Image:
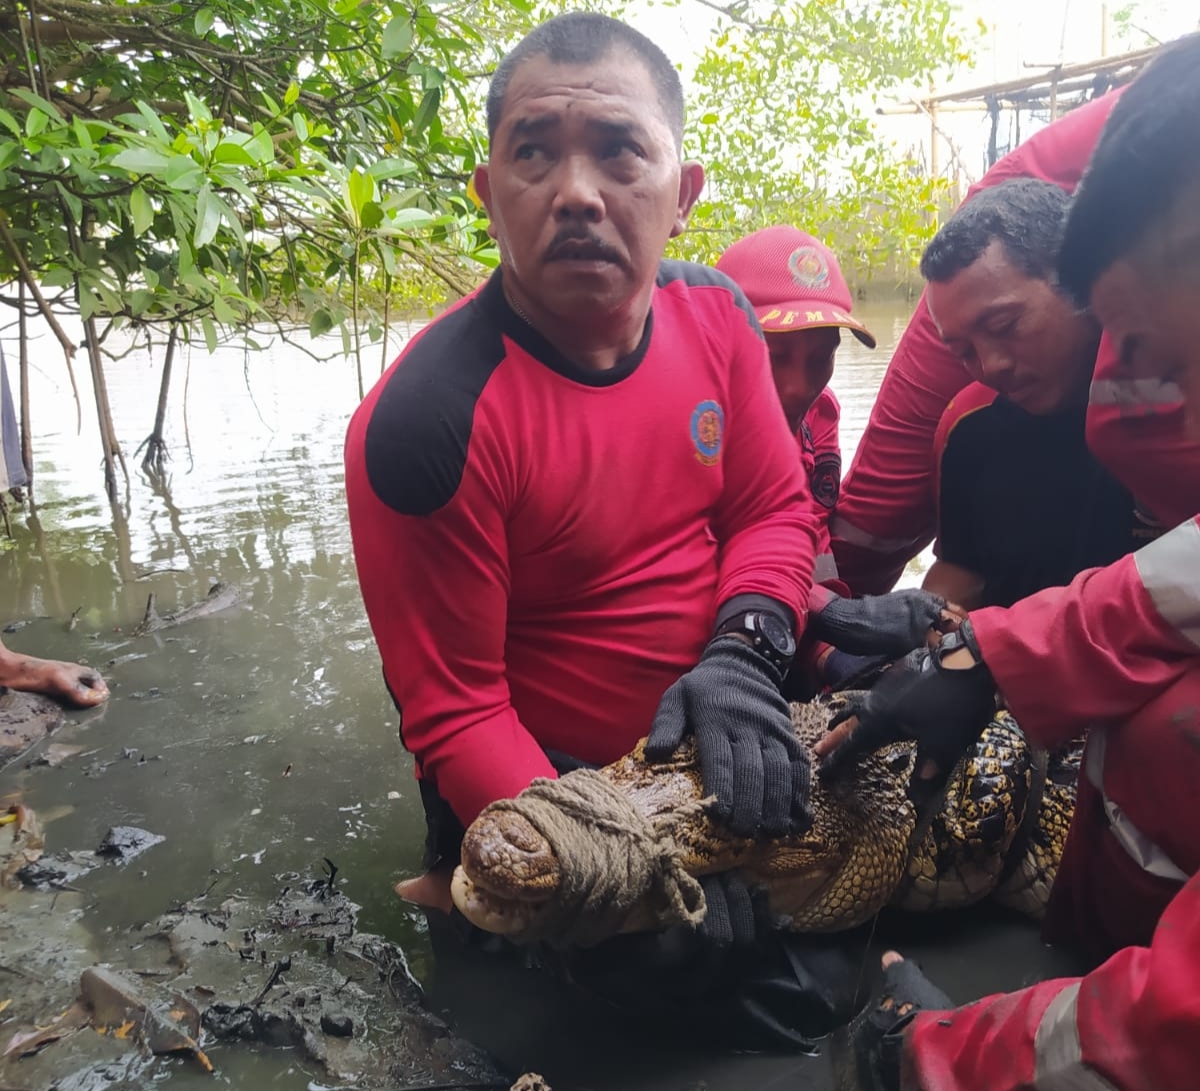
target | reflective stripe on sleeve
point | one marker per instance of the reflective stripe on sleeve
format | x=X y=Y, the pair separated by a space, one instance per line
x=1144 y=852
x=848 y=532
x=1058 y=1058
x=825 y=568
x=1134 y=392
x=1170 y=571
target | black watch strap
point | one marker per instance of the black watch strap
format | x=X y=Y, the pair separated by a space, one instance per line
x=767 y=633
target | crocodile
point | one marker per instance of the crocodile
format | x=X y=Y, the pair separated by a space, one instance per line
x=997 y=830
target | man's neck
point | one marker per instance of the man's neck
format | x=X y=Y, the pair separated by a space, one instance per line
x=598 y=343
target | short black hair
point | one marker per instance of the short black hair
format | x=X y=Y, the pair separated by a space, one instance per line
x=1148 y=153
x=1025 y=215
x=583 y=37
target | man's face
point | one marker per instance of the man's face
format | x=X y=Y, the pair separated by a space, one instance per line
x=584 y=186
x=1016 y=333
x=802 y=365
x=1149 y=302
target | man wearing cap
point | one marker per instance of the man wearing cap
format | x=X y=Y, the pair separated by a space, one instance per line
x=802 y=302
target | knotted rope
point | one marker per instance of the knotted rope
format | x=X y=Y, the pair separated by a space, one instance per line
x=610 y=856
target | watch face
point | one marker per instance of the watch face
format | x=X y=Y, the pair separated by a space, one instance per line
x=776 y=633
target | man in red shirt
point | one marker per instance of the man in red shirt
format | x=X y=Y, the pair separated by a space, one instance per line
x=1117 y=651
x=1022 y=503
x=575 y=502
x=797 y=290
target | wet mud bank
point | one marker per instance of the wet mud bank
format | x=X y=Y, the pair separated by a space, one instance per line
x=214 y=975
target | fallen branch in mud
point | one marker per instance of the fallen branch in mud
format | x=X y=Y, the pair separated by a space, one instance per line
x=220 y=597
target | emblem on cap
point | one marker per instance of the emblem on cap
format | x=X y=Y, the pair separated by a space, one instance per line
x=809 y=268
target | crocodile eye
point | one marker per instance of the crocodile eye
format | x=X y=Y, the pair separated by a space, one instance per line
x=898 y=763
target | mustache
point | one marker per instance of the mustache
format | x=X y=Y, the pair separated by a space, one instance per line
x=573 y=242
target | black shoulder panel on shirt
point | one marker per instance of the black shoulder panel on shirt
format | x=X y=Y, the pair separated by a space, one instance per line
x=418 y=435
x=705 y=276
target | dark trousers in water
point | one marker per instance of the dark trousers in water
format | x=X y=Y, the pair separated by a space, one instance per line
x=782 y=993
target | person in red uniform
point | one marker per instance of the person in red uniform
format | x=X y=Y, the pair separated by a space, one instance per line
x=1128 y=888
x=576 y=509
x=887 y=509
x=796 y=287
x=1022 y=503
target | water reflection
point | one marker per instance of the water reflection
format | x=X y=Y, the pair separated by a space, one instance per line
x=261 y=740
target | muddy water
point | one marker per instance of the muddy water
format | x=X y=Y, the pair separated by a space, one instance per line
x=261 y=741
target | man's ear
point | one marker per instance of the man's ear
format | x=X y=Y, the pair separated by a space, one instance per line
x=483 y=187
x=691 y=182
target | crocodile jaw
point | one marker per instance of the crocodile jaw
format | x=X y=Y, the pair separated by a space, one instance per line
x=492 y=912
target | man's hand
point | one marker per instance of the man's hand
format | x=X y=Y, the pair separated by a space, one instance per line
x=877 y=1035
x=737 y=914
x=891 y=624
x=750 y=758
x=942 y=699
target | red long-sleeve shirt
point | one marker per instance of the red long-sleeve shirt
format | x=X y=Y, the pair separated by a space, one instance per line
x=1133 y=1024
x=542 y=548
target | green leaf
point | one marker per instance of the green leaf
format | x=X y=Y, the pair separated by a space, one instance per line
x=361 y=189
x=410 y=217
x=371 y=215
x=140 y=161
x=260 y=147
x=183 y=173
x=73 y=203
x=397 y=36
x=36 y=101
x=320 y=323
x=35 y=122
x=229 y=152
x=291 y=94
x=10 y=152
x=141 y=211
x=210 y=333
x=428 y=109
x=10 y=123
x=205 y=18
x=709 y=118
x=301 y=126
x=208 y=217
x=197 y=108
x=153 y=122
x=392 y=168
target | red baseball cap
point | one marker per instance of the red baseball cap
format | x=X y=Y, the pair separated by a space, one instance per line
x=792 y=281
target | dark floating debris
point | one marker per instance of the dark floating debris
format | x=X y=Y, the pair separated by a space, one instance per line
x=126 y=842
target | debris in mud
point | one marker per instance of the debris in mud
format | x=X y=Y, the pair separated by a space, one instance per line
x=531 y=1081
x=126 y=842
x=122 y=1005
x=17 y=626
x=57 y=871
x=339 y=1024
x=26 y=845
x=55 y=754
x=25 y=1043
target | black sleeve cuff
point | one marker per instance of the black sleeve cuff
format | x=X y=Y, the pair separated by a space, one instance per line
x=753 y=604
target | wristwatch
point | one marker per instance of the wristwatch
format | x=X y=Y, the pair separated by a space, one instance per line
x=768 y=635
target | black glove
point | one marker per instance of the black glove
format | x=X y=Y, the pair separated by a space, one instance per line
x=889 y=624
x=736 y=915
x=943 y=710
x=841 y=670
x=877 y=1035
x=750 y=758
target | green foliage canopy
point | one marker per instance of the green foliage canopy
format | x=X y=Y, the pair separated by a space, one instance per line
x=208 y=168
